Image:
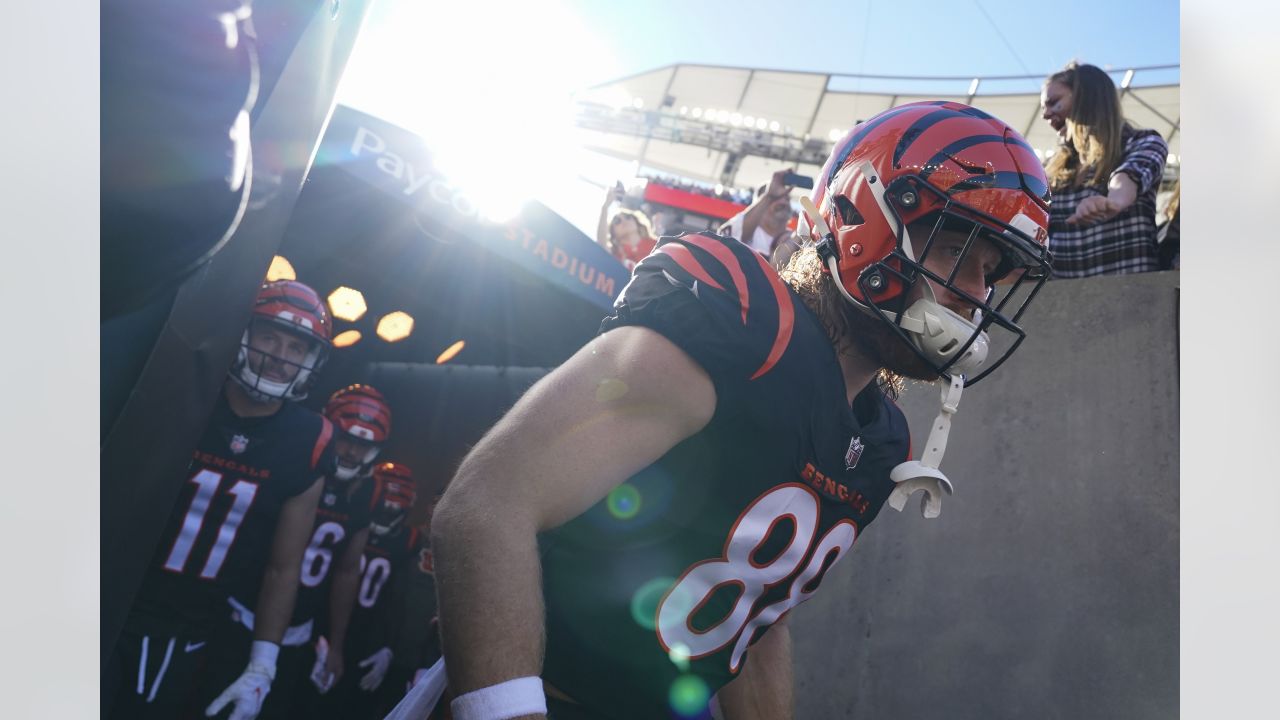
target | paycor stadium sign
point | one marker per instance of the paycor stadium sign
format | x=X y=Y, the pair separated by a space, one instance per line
x=399 y=163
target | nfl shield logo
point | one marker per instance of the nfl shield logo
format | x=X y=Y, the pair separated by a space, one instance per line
x=330 y=498
x=239 y=443
x=855 y=453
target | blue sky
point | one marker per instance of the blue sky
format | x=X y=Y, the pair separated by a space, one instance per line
x=490 y=84
x=924 y=37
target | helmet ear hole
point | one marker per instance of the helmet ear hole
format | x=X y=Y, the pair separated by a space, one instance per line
x=849 y=215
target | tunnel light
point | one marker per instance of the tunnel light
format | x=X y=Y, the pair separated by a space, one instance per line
x=347 y=304
x=395 y=326
x=834 y=135
x=280 y=270
x=451 y=352
x=346 y=338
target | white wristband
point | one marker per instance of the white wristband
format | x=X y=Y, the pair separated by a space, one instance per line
x=264 y=653
x=513 y=698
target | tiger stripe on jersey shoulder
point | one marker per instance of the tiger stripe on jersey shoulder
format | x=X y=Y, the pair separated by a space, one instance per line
x=738 y=264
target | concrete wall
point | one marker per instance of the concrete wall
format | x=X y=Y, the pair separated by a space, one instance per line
x=1048 y=588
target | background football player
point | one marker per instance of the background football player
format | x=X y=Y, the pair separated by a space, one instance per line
x=666 y=496
x=390 y=555
x=330 y=574
x=243 y=519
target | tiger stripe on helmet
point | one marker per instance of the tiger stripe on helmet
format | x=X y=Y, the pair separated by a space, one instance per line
x=360 y=406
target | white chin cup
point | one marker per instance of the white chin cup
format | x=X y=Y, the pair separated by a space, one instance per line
x=940 y=332
x=343 y=472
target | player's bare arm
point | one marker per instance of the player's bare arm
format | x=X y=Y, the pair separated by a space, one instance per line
x=342 y=598
x=763 y=690
x=613 y=408
x=280 y=579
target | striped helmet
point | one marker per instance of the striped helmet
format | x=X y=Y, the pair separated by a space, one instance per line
x=899 y=183
x=363 y=419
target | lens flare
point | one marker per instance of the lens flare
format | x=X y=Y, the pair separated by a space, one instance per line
x=679 y=656
x=624 y=502
x=644 y=603
x=689 y=696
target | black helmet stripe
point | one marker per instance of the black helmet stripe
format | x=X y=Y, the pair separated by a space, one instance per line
x=861 y=133
x=918 y=127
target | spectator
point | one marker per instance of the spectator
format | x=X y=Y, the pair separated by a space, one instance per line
x=764 y=223
x=1168 y=252
x=628 y=235
x=1104 y=178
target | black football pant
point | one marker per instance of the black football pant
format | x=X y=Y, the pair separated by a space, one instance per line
x=154 y=670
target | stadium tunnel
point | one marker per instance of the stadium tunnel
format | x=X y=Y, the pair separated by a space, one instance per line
x=376 y=216
x=219 y=156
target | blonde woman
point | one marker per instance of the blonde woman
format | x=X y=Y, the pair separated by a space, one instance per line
x=1104 y=178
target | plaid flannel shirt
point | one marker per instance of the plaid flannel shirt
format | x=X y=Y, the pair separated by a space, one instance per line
x=1127 y=242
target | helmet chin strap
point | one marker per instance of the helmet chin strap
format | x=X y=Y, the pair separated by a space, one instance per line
x=930 y=326
x=923 y=474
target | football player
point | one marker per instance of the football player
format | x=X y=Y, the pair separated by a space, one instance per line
x=669 y=493
x=243 y=518
x=389 y=556
x=330 y=574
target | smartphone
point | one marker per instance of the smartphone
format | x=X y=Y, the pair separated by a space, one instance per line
x=797 y=180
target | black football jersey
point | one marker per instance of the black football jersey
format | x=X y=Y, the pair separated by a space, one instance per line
x=655 y=594
x=386 y=560
x=219 y=535
x=343 y=511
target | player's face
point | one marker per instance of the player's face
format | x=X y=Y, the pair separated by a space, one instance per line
x=889 y=350
x=1055 y=100
x=625 y=230
x=971 y=269
x=352 y=451
x=275 y=353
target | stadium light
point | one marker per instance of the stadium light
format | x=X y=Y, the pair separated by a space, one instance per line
x=722 y=116
x=761 y=123
x=697 y=112
x=637 y=102
x=280 y=270
x=684 y=109
x=748 y=120
x=451 y=352
x=347 y=304
x=347 y=338
x=773 y=126
x=395 y=326
x=735 y=119
x=835 y=134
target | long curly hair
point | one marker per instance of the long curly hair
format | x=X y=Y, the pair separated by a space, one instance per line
x=842 y=322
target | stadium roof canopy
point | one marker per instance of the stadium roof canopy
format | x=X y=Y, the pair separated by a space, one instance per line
x=734 y=126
